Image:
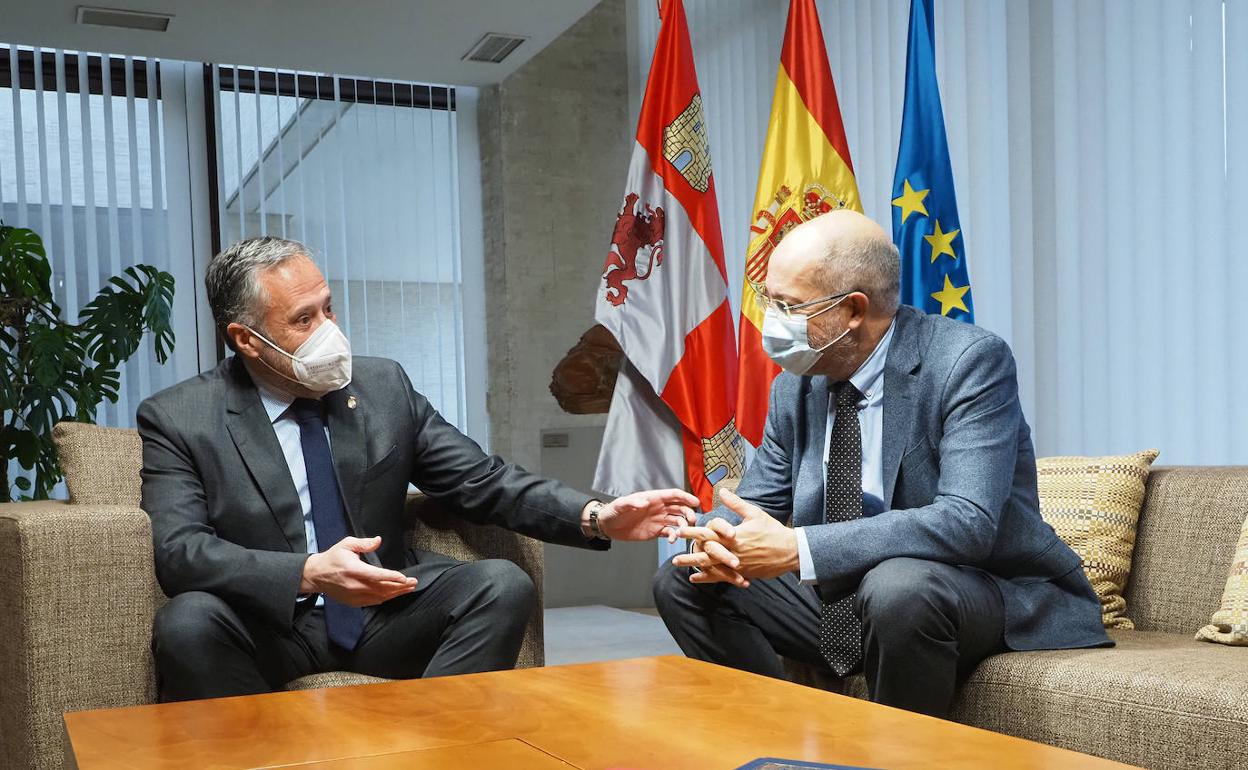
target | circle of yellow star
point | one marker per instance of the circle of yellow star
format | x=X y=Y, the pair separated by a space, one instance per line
x=950 y=297
x=911 y=200
x=941 y=243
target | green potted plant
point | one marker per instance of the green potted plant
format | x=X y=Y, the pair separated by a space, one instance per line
x=52 y=370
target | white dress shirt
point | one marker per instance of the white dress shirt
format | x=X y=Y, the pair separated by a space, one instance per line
x=869 y=380
x=277 y=406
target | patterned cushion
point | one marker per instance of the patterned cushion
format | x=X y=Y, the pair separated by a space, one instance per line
x=1230 y=623
x=1094 y=503
x=101 y=465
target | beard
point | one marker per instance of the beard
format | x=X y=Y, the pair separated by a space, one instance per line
x=281 y=368
x=839 y=361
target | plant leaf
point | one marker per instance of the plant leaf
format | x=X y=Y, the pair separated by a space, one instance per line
x=24 y=268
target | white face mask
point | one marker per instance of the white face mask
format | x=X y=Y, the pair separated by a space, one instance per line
x=323 y=362
x=786 y=343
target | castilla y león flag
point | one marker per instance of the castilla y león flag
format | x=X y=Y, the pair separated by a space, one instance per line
x=664 y=291
x=805 y=172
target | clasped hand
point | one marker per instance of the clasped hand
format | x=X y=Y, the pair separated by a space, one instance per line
x=758 y=547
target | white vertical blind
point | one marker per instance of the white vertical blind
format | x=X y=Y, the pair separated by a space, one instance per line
x=1094 y=145
x=104 y=157
x=363 y=173
x=81 y=163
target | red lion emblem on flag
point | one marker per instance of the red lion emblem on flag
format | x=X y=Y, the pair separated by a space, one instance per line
x=634 y=230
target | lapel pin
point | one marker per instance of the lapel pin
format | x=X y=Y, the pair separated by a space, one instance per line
x=351 y=402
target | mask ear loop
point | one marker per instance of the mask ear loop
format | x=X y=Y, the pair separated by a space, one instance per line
x=833 y=342
x=266 y=365
x=271 y=344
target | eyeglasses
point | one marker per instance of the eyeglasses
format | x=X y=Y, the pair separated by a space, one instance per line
x=766 y=301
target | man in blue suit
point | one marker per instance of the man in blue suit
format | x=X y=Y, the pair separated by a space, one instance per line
x=896 y=449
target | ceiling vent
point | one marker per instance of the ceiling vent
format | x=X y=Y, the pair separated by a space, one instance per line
x=114 y=17
x=493 y=48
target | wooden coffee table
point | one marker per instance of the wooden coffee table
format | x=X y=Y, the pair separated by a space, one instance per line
x=658 y=713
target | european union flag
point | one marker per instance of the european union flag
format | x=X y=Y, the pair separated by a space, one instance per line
x=925 y=210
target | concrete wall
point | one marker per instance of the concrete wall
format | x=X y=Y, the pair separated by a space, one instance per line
x=555 y=143
x=618 y=578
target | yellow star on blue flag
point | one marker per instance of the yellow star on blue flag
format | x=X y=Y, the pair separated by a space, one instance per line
x=934 y=275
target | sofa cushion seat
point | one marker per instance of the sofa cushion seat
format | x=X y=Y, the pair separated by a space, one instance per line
x=1157 y=700
x=1153 y=695
x=332 y=679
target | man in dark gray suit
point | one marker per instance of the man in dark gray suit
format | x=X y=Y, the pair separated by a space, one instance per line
x=896 y=447
x=276 y=485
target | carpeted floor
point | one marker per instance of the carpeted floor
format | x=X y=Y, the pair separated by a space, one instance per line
x=587 y=634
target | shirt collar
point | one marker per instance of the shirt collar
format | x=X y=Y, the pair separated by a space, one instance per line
x=275 y=402
x=870 y=376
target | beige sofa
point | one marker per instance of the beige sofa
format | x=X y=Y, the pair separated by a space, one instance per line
x=78 y=593
x=1159 y=699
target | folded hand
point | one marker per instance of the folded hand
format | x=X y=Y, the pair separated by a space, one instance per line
x=759 y=547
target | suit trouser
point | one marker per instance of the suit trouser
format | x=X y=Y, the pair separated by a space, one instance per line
x=926 y=625
x=469 y=618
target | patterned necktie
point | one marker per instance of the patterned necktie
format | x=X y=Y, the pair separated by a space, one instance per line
x=343 y=623
x=840 y=632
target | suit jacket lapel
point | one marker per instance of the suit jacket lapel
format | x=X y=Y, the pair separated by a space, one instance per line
x=810 y=473
x=899 y=396
x=252 y=433
x=350 y=448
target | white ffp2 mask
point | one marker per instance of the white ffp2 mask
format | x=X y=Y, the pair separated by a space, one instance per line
x=323 y=362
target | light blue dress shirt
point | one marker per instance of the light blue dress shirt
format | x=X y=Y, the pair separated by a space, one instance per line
x=277 y=406
x=869 y=380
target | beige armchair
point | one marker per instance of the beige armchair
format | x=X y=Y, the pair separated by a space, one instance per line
x=78 y=594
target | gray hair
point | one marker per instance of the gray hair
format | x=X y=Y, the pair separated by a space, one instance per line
x=232 y=281
x=869 y=265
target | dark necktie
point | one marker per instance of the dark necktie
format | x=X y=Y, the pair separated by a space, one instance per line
x=840 y=633
x=343 y=623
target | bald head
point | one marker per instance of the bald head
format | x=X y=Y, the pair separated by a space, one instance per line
x=840 y=251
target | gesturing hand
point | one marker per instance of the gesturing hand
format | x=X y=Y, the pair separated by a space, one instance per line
x=341 y=574
x=648 y=515
x=758 y=547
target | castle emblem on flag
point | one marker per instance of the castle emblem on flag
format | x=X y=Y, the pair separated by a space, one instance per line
x=636 y=247
x=774 y=222
x=686 y=147
x=723 y=454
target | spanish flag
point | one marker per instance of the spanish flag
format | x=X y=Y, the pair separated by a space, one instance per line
x=806 y=171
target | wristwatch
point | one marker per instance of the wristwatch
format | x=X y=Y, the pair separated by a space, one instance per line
x=595 y=528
